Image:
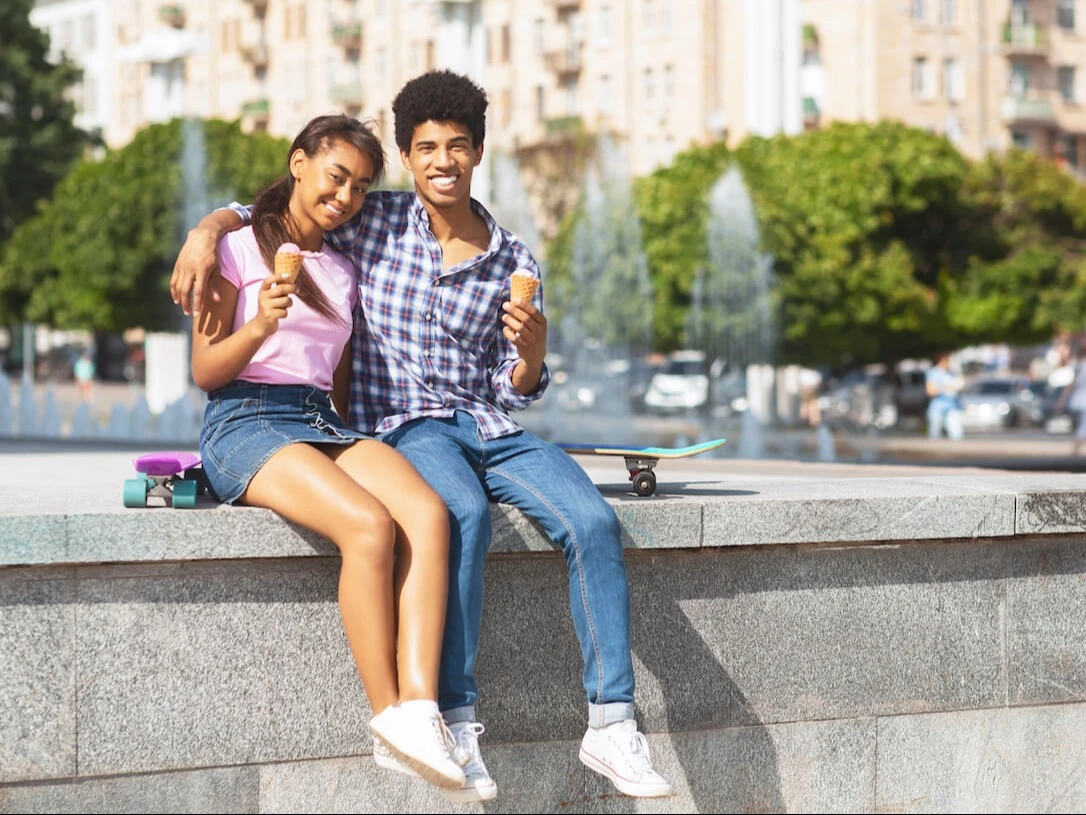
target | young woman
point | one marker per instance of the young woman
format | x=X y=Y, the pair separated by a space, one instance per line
x=274 y=357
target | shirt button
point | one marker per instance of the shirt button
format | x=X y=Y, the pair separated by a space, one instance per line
x=429 y=316
x=426 y=353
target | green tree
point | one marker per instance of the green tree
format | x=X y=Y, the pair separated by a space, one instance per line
x=99 y=255
x=886 y=243
x=38 y=141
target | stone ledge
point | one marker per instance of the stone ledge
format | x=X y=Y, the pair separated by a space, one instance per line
x=66 y=508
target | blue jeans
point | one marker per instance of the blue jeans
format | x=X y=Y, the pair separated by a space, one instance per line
x=550 y=488
x=950 y=417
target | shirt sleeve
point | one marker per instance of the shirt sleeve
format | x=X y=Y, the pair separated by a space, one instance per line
x=246 y=212
x=229 y=262
x=501 y=378
x=347 y=239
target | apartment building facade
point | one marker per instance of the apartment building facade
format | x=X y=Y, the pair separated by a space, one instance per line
x=988 y=74
x=654 y=76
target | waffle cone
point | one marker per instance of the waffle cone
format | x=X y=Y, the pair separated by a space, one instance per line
x=522 y=287
x=288 y=263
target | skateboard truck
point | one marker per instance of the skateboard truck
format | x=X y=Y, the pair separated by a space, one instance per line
x=176 y=479
x=640 y=461
x=641 y=474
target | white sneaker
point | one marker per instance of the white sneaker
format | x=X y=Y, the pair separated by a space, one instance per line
x=478 y=785
x=422 y=742
x=621 y=753
x=382 y=757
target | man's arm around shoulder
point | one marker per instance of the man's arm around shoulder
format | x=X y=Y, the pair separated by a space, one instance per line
x=197 y=260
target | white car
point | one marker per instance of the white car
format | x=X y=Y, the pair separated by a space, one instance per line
x=682 y=384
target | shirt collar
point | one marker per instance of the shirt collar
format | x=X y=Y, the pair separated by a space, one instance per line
x=421 y=217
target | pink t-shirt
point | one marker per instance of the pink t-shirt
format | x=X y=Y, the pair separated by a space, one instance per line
x=307 y=346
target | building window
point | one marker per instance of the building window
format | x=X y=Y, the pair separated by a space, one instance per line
x=605 y=102
x=573 y=102
x=922 y=85
x=668 y=92
x=603 y=35
x=506 y=107
x=666 y=15
x=539 y=37
x=1019 y=12
x=540 y=106
x=1066 y=15
x=1069 y=150
x=1019 y=79
x=953 y=84
x=917 y=10
x=1066 y=79
x=648 y=89
x=1021 y=139
x=648 y=15
x=950 y=12
x=506 y=44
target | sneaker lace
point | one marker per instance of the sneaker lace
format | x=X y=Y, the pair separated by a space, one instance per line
x=467 y=744
x=444 y=736
x=637 y=752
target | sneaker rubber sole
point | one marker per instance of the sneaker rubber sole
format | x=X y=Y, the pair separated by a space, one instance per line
x=635 y=789
x=450 y=778
x=467 y=794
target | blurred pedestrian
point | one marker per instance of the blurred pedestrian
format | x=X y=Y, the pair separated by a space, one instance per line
x=943 y=387
x=84 y=371
x=1073 y=397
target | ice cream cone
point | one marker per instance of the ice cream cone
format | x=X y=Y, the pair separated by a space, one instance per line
x=288 y=266
x=288 y=262
x=522 y=286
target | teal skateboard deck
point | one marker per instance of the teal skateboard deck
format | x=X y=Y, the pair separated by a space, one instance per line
x=640 y=461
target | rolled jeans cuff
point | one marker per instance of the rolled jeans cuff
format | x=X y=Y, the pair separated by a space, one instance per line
x=455 y=715
x=609 y=713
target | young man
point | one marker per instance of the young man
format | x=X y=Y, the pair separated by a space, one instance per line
x=436 y=375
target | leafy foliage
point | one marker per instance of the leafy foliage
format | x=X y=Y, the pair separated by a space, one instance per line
x=886 y=242
x=38 y=140
x=99 y=255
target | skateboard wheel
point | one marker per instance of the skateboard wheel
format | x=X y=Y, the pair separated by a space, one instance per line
x=184 y=494
x=644 y=484
x=135 y=492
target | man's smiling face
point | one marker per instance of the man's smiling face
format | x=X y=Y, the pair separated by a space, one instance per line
x=441 y=161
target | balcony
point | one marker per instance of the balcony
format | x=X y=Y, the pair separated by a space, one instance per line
x=256 y=55
x=563 y=126
x=347 y=94
x=172 y=14
x=256 y=111
x=1027 y=109
x=565 y=61
x=1024 y=39
x=347 y=35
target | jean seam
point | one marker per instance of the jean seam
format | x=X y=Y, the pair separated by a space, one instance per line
x=590 y=622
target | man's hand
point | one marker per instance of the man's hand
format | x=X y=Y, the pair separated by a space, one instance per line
x=197 y=260
x=526 y=327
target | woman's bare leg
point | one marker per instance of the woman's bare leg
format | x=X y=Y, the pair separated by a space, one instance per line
x=422 y=558
x=304 y=485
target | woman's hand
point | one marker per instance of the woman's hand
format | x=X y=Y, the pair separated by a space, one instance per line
x=272 y=304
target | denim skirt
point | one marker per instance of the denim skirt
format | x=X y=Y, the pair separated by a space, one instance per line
x=246 y=423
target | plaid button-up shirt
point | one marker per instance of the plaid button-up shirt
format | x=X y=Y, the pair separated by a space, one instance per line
x=429 y=342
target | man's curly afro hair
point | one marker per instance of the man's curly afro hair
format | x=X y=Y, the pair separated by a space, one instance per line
x=439 y=96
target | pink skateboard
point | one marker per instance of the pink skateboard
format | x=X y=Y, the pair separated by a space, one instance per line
x=174 y=477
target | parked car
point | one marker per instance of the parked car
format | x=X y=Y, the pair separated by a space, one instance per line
x=998 y=402
x=682 y=384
